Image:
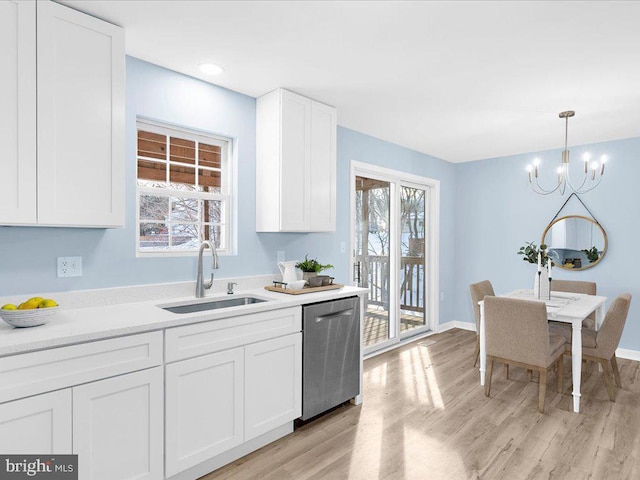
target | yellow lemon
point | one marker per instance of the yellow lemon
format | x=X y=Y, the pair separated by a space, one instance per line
x=9 y=306
x=29 y=304
x=47 y=302
x=35 y=299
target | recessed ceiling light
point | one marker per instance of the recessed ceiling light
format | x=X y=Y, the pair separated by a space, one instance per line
x=211 y=68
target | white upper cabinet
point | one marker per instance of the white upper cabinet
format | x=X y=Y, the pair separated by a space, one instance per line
x=295 y=164
x=18 y=112
x=66 y=161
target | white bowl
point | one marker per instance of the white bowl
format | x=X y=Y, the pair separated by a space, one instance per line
x=297 y=285
x=28 y=318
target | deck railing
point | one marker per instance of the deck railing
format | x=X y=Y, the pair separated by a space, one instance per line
x=374 y=275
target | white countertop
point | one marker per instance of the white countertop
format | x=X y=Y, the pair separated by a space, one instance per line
x=70 y=326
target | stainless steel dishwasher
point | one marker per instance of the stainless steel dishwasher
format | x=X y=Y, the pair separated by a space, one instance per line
x=330 y=354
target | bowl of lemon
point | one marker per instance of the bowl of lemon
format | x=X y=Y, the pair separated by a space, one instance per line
x=31 y=313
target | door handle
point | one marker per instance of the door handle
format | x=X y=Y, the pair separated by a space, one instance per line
x=344 y=313
x=356 y=273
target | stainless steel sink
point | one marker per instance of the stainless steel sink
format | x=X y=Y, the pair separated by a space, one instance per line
x=212 y=304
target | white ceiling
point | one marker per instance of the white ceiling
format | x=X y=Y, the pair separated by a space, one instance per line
x=457 y=80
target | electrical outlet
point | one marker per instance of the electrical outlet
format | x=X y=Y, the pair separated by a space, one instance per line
x=280 y=254
x=69 y=267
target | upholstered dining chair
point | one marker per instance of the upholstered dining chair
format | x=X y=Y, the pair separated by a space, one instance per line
x=517 y=333
x=600 y=346
x=478 y=292
x=576 y=286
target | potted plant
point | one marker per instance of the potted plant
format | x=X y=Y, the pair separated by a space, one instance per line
x=592 y=254
x=311 y=267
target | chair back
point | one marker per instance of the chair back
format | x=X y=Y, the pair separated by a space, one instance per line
x=478 y=292
x=609 y=334
x=573 y=286
x=517 y=330
x=576 y=286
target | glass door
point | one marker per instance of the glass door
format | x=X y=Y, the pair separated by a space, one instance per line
x=413 y=275
x=394 y=252
x=372 y=268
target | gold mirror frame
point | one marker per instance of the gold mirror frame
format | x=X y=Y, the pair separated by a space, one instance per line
x=604 y=235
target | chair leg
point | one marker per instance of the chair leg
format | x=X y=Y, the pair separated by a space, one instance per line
x=542 y=389
x=530 y=374
x=616 y=372
x=506 y=371
x=607 y=379
x=560 y=374
x=489 y=373
x=476 y=354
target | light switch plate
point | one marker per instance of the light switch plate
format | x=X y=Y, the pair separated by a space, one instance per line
x=69 y=267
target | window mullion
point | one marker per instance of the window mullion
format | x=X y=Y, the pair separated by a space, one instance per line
x=166 y=155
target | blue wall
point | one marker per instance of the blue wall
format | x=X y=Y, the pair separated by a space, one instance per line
x=363 y=148
x=28 y=254
x=497 y=212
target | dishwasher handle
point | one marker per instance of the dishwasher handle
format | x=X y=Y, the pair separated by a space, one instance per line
x=344 y=313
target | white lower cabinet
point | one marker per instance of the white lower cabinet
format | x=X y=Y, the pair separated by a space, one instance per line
x=114 y=425
x=273 y=384
x=204 y=408
x=37 y=425
x=128 y=414
x=117 y=427
x=217 y=402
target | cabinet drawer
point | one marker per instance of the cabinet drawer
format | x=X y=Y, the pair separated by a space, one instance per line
x=46 y=370
x=202 y=338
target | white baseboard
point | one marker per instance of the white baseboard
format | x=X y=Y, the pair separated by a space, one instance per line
x=443 y=327
x=625 y=353
x=628 y=354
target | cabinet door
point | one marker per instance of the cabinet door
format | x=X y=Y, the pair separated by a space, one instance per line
x=117 y=427
x=322 y=167
x=80 y=119
x=37 y=425
x=204 y=408
x=294 y=167
x=273 y=384
x=18 y=112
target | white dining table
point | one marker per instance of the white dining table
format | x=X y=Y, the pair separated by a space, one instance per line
x=564 y=307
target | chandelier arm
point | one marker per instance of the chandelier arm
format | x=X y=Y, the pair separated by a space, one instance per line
x=591 y=187
x=584 y=180
x=542 y=191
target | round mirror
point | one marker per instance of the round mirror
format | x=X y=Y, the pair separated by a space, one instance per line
x=575 y=242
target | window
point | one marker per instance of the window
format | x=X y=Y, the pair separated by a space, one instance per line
x=183 y=190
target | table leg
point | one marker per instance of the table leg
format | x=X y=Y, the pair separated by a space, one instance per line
x=483 y=348
x=576 y=363
x=600 y=313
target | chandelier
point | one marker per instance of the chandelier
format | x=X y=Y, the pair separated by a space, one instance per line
x=592 y=171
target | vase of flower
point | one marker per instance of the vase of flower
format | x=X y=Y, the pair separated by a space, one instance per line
x=541 y=284
x=542 y=276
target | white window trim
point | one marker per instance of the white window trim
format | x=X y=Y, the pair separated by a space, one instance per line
x=227 y=184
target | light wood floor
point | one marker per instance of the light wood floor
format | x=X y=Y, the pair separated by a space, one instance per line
x=376 y=325
x=425 y=417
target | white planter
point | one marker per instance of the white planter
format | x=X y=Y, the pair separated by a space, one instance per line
x=541 y=284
